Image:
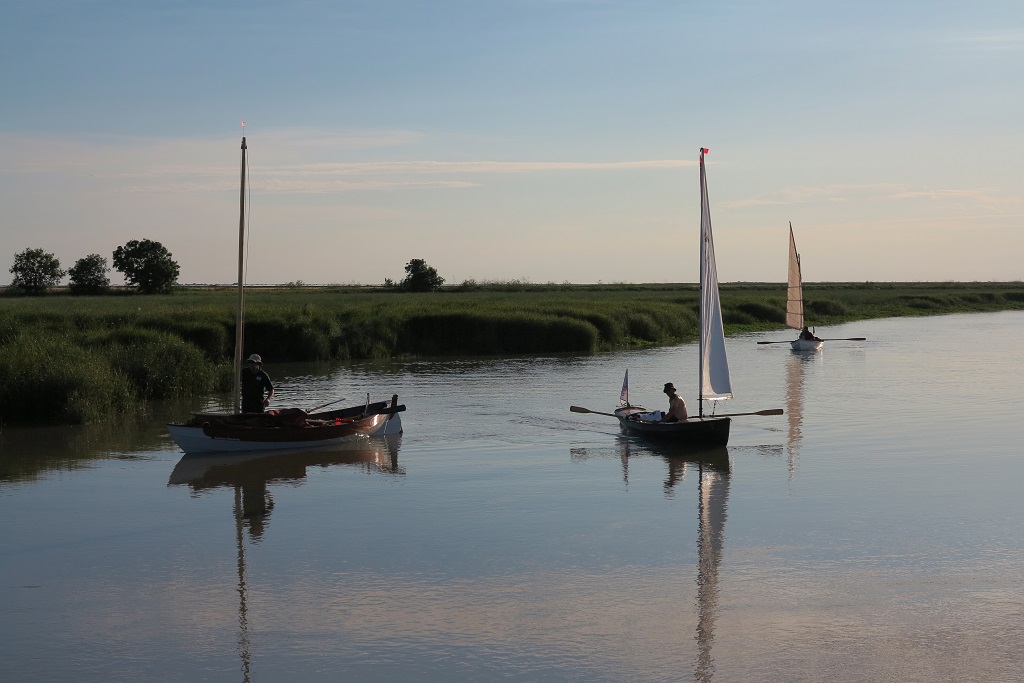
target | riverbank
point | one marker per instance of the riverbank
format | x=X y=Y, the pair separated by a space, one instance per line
x=68 y=359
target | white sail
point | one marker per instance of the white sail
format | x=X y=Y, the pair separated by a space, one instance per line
x=714 y=364
x=795 y=288
x=624 y=393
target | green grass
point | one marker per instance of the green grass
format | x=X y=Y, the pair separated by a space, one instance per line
x=77 y=359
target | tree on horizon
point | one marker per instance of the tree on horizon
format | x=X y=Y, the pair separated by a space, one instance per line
x=89 y=275
x=147 y=266
x=420 y=277
x=35 y=271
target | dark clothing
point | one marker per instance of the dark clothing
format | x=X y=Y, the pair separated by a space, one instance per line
x=255 y=387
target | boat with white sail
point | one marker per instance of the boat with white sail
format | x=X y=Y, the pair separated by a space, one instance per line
x=714 y=383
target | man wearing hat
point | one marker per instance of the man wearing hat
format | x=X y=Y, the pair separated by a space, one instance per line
x=255 y=384
x=676 y=405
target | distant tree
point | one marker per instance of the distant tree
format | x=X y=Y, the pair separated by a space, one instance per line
x=89 y=275
x=147 y=266
x=35 y=271
x=420 y=277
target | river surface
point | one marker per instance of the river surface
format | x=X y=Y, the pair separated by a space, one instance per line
x=874 y=532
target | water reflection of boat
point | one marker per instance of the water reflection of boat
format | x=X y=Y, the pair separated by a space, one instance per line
x=677 y=458
x=250 y=473
x=713 y=477
x=713 y=487
x=205 y=471
x=795 y=366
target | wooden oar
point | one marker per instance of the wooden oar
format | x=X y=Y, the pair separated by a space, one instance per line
x=843 y=339
x=771 y=411
x=577 y=409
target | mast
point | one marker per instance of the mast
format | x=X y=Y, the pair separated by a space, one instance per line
x=239 y=323
x=700 y=323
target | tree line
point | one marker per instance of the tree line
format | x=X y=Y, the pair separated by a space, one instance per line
x=148 y=267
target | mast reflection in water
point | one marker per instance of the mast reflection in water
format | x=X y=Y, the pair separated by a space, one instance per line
x=713 y=477
x=250 y=474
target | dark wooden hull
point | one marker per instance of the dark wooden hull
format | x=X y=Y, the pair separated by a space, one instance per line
x=707 y=432
x=264 y=432
x=289 y=428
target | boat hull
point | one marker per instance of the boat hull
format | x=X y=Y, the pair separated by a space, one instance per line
x=806 y=344
x=283 y=430
x=697 y=432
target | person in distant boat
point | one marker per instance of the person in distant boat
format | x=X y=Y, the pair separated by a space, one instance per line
x=257 y=389
x=807 y=335
x=676 y=405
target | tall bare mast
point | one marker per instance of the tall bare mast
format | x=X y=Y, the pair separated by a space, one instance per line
x=239 y=323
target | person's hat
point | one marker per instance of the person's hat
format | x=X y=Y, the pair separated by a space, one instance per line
x=255 y=358
x=669 y=386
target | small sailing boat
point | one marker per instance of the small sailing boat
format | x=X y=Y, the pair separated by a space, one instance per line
x=795 y=302
x=713 y=364
x=276 y=430
x=714 y=383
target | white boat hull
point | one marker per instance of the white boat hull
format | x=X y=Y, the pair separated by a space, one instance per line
x=806 y=344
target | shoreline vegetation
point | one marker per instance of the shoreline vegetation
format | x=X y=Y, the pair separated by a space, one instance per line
x=73 y=359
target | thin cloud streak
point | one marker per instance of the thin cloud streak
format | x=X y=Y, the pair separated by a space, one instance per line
x=871 y=192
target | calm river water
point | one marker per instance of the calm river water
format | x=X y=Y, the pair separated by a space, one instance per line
x=872 y=533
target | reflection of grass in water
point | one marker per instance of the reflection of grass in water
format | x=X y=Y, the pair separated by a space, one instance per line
x=30 y=452
x=76 y=359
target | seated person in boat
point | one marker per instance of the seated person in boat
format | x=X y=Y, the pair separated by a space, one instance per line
x=807 y=335
x=257 y=389
x=676 y=405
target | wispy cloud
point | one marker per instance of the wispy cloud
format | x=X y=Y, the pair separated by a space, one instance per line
x=139 y=165
x=1004 y=41
x=839 y=193
x=393 y=175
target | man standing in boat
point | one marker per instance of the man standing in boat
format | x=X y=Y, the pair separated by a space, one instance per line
x=676 y=405
x=255 y=383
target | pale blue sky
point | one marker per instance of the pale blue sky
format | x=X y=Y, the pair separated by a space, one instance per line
x=547 y=140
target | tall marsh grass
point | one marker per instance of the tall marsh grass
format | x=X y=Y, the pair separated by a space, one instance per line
x=107 y=355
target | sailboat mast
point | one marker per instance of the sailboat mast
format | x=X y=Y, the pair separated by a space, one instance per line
x=239 y=323
x=703 y=262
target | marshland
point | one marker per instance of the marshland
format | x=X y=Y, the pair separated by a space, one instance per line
x=75 y=359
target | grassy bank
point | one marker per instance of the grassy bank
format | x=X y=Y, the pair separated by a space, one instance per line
x=77 y=359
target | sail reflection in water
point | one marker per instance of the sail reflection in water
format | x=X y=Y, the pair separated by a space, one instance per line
x=713 y=470
x=796 y=366
x=250 y=474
